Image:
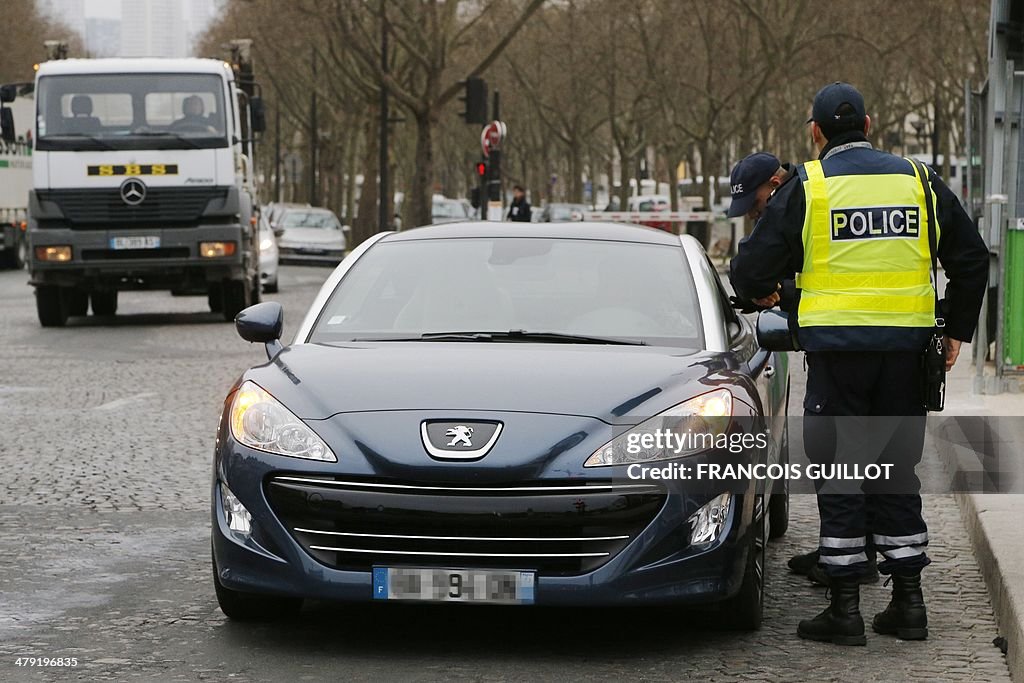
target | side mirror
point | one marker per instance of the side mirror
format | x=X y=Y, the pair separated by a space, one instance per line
x=278 y=232
x=8 y=93
x=7 y=132
x=773 y=331
x=262 y=323
x=258 y=112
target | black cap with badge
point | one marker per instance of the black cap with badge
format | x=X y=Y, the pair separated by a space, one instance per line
x=830 y=113
x=749 y=174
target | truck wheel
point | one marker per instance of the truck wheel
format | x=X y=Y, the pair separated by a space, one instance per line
x=215 y=297
x=257 y=290
x=50 y=306
x=104 y=303
x=21 y=260
x=77 y=301
x=237 y=296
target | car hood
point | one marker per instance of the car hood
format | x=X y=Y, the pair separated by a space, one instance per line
x=319 y=236
x=615 y=384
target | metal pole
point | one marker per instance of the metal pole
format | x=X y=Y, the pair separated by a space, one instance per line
x=313 y=136
x=383 y=220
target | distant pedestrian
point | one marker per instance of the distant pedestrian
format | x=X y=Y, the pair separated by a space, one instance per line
x=520 y=211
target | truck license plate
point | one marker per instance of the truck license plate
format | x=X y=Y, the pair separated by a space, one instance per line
x=146 y=242
x=453 y=585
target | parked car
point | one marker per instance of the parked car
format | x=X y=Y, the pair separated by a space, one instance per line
x=652 y=202
x=447 y=210
x=559 y=212
x=453 y=420
x=275 y=210
x=310 y=235
x=268 y=255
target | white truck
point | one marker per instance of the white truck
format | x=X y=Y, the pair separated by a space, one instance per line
x=15 y=185
x=142 y=179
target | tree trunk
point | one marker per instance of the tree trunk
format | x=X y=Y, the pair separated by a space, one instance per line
x=365 y=223
x=420 y=209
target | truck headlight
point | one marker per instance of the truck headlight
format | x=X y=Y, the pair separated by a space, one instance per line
x=260 y=421
x=53 y=253
x=691 y=427
x=216 y=249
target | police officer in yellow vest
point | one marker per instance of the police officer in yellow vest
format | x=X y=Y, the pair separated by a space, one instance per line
x=852 y=226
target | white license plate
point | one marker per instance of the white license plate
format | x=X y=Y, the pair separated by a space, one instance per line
x=453 y=585
x=147 y=242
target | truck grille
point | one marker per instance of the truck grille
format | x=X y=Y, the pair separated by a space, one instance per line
x=164 y=205
x=556 y=529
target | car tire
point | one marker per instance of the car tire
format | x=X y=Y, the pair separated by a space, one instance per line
x=77 y=301
x=240 y=606
x=214 y=297
x=271 y=286
x=51 y=306
x=104 y=303
x=235 y=297
x=778 y=504
x=257 y=291
x=745 y=610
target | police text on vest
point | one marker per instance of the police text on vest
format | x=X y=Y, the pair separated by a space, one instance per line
x=876 y=222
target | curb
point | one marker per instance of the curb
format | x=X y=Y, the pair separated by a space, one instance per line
x=1004 y=578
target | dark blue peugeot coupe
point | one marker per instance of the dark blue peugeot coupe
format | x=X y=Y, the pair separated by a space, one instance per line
x=495 y=413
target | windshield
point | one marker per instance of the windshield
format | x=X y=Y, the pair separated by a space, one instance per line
x=449 y=210
x=309 y=219
x=131 y=111
x=595 y=288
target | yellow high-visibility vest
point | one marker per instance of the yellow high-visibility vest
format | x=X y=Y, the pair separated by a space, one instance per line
x=866 y=255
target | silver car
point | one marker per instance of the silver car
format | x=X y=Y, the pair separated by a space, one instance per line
x=310 y=235
x=268 y=255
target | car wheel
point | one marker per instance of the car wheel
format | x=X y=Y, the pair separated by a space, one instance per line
x=51 y=306
x=236 y=295
x=104 y=303
x=778 y=504
x=744 y=611
x=271 y=286
x=241 y=606
x=257 y=291
x=77 y=301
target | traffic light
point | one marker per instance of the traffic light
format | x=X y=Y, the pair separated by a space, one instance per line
x=475 y=100
x=481 y=169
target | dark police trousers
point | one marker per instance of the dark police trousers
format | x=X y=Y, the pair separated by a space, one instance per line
x=862 y=408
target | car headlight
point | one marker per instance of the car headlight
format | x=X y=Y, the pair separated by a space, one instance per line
x=260 y=421
x=688 y=428
x=267 y=243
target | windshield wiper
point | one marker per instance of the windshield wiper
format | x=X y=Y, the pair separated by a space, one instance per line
x=515 y=335
x=168 y=134
x=77 y=136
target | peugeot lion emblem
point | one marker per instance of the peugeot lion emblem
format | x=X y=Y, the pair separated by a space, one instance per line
x=133 y=191
x=460 y=434
x=459 y=439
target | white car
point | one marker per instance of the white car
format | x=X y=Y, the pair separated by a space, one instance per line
x=310 y=235
x=268 y=255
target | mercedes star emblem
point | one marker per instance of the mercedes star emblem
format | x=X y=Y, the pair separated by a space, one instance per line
x=133 y=191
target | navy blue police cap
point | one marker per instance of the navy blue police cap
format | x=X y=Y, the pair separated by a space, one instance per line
x=829 y=99
x=749 y=174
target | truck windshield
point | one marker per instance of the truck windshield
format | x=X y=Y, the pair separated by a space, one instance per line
x=131 y=111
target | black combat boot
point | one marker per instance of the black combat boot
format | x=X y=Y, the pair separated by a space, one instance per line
x=905 y=617
x=841 y=622
x=803 y=564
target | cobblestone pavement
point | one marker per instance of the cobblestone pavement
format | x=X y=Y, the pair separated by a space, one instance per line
x=104 y=550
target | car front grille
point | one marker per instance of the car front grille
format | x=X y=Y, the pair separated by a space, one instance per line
x=163 y=205
x=555 y=529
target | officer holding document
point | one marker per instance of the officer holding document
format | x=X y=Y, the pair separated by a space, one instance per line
x=861 y=230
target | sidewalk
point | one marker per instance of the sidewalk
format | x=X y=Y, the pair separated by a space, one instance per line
x=993 y=520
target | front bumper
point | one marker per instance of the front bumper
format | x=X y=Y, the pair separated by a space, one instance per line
x=654 y=565
x=316 y=256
